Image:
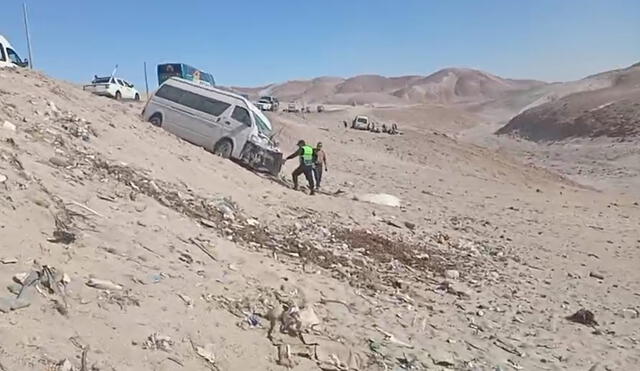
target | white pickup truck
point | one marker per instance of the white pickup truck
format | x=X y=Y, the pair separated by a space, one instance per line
x=112 y=87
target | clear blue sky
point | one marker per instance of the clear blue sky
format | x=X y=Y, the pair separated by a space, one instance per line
x=252 y=43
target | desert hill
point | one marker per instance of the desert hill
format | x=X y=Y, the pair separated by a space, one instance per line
x=126 y=248
x=451 y=85
x=608 y=105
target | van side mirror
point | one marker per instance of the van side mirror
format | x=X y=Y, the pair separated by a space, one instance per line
x=24 y=63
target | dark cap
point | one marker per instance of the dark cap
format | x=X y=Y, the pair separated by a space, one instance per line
x=301 y=142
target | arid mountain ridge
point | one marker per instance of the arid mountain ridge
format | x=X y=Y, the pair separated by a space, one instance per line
x=603 y=104
x=450 y=85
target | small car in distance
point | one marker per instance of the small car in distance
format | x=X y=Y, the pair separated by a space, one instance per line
x=293 y=108
x=112 y=87
x=263 y=106
x=272 y=102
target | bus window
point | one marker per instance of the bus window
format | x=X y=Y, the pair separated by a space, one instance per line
x=165 y=71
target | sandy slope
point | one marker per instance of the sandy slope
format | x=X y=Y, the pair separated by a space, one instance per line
x=365 y=282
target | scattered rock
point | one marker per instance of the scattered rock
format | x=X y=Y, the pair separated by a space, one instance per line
x=3 y=178
x=452 y=274
x=206 y=352
x=410 y=226
x=59 y=161
x=442 y=358
x=8 y=261
x=392 y=223
x=64 y=365
x=308 y=318
x=8 y=126
x=629 y=313
x=103 y=284
x=596 y=275
x=583 y=316
x=252 y=222
x=53 y=106
x=208 y=223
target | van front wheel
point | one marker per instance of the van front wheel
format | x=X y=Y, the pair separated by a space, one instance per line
x=118 y=95
x=156 y=120
x=223 y=148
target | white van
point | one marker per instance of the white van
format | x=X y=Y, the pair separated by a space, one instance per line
x=222 y=122
x=8 y=55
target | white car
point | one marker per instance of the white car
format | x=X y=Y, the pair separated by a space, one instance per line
x=112 y=87
x=292 y=107
x=262 y=105
x=8 y=55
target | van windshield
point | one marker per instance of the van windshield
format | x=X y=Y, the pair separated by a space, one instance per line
x=262 y=122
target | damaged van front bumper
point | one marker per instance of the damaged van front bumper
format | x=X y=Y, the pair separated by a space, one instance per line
x=261 y=157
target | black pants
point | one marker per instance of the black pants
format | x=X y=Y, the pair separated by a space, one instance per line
x=317 y=171
x=307 y=170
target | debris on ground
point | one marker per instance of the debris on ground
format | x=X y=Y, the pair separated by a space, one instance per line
x=8 y=126
x=583 y=316
x=380 y=199
x=206 y=352
x=156 y=341
x=48 y=281
x=103 y=284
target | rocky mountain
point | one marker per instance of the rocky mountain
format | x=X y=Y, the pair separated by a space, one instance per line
x=607 y=105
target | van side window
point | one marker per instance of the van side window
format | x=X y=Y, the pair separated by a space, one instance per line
x=191 y=100
x=241 y=115
x=169 y=93
x=214 y=107
x=2 y=56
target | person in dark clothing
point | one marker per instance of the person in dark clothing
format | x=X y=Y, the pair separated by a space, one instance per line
x=320 y=162
x=306 y=154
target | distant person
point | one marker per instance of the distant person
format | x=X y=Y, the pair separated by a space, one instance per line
x=306 y=154
x=320 y=164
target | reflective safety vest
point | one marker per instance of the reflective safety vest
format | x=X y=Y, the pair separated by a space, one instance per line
x=307 y=155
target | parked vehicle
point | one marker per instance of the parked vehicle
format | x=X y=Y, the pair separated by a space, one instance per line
x=222 y=122
x=8 y=55
x=184 y=71
x=272 y=102
x=263 y=106
x=360 y=123
x=292 y=107
x=113 y=87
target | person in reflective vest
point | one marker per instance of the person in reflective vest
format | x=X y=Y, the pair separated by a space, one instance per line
x=307 y=156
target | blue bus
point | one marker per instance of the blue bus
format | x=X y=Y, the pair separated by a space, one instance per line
x=167 y=70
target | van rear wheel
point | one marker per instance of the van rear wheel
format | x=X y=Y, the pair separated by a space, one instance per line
x=118 y=95
x=137 y=97
x=223 y=148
